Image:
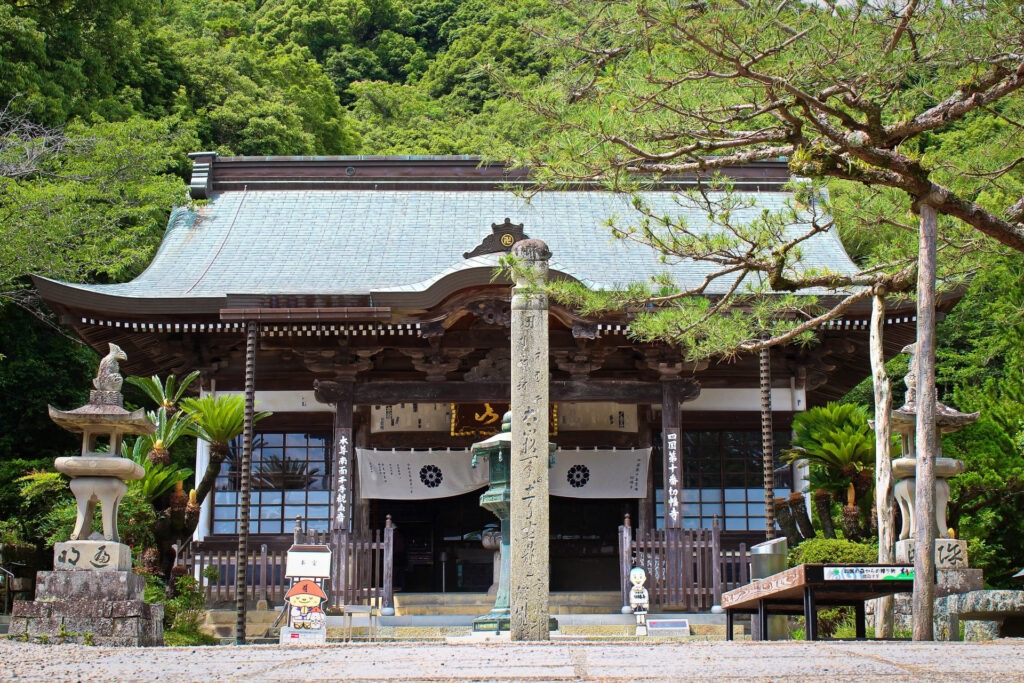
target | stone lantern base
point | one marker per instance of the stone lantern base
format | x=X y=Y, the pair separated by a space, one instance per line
x=950 y=553
x=89 y=607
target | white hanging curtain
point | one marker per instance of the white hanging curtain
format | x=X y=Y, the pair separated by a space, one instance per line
x=421 y=475
x=601 y=473
x=418 y=475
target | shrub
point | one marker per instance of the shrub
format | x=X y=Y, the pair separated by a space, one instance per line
x=832 y=550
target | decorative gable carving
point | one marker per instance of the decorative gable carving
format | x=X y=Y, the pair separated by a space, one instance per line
x=502 y=237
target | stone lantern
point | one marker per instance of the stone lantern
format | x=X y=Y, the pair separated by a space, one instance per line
x=950 y=553
x=498 y=451
x=92 y=596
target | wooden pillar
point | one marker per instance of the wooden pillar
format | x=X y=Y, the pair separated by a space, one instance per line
x=344 y=456
x=645 y=511
x=767 y=443
x=924 y=517
x=529 y=578
x=245 y=486
x=360 y=439
x=672 y=452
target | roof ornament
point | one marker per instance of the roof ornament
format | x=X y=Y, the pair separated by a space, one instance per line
x=108 y=378
x=501 y=239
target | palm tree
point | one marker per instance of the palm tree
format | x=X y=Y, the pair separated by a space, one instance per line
x=218 y=421
x=839 y=445
x=161 y=476
x=170 y=426
x=165 y=394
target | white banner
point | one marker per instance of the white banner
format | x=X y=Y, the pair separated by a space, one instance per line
x=420 y=475
x=601 y=473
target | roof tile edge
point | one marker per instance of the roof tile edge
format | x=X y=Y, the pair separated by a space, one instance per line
x=213 y=173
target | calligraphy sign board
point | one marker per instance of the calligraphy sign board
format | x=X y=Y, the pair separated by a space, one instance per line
x=410 y=417
x=484 y=419
x=868 y=573
x=308 y=561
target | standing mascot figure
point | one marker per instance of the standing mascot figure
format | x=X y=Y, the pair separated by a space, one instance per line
x=639 y=599
x=305 y=599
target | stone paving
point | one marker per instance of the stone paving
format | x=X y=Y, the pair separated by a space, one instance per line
x=1000 y=660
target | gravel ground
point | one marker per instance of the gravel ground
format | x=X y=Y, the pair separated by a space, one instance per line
x=1000 y=660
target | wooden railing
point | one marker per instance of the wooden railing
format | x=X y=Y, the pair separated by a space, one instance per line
x=361 y=571
x=686 y=568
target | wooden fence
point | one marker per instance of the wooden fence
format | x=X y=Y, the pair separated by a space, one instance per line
x=264 y=573
x=686 y=569
x=361 y=571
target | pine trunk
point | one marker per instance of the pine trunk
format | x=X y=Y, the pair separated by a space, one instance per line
x=924 y=547
x=885 y=520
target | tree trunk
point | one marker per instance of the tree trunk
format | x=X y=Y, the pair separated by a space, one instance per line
x=924 y=546
x=851 y=523
x=798 y=507
x=823 y=511
x=885 y=520
x=785 y=521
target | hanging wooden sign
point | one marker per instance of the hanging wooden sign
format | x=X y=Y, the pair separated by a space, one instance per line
x=484 y=419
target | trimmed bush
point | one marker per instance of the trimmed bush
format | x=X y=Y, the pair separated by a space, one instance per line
x=832 y=550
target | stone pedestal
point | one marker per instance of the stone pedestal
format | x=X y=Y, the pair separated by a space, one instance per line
x=947 y=582
x=92 y=556
x=89 y=607
x=950 y=553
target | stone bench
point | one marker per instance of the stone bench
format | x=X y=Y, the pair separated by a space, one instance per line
x=999 y=610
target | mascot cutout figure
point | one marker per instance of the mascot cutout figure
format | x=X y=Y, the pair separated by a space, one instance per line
x=639 y=599
x=305 y=599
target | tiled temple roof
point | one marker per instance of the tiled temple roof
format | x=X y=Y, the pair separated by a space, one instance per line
x=404 y=241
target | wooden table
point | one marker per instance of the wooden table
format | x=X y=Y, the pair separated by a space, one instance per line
x=805 y=588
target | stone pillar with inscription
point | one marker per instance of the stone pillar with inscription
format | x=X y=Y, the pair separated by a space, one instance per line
x=529 y=515
x=92 y=596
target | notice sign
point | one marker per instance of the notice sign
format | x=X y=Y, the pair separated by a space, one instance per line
x=309 y=561
x=869 y=573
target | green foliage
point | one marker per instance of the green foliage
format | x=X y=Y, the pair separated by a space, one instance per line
x=832 y=551
x=185 y=611
x=96 y=209
x=11 y=533
x=838 y=444
x=65 y=59
x=247 y=99
x=184 y=614
x=165 y=394
x=42 y=487
x=160 y=478
x=219 y=419
x=155 y=591
x=11 y=501
x=492 y=42
x=38 y=366
x=981 y=367
x=646 y=89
